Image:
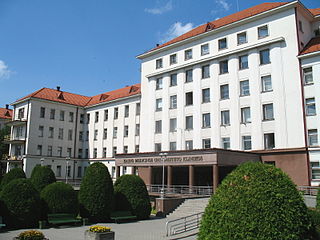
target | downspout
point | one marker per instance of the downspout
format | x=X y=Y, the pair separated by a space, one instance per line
x=75 y=142
x=26 y=131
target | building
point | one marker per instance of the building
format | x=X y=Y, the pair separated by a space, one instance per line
x=5 y=116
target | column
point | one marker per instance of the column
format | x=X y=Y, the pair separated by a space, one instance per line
x=169 y=176
x=215 y=177
x=117 y=172
x=133 y=170
x=149 y=174
x=191 y=176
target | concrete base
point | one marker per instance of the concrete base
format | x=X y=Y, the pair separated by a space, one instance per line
x=98 y=236
x=167 y=205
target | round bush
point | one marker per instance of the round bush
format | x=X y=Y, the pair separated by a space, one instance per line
x=256 y=201
x=22 y=202
x=13 y=174
x=131 y=194
x=42 y=176
x=60 y=198
x=96 y=193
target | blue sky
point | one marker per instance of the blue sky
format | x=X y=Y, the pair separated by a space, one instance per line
x=89 y=46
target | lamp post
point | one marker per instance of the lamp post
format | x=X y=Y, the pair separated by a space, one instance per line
x=67 y=168
x=163 y=158
x=41 y=162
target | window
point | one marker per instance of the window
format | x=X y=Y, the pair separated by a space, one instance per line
x=71 y=116
x=300 y=26
x=113 y=172
x=222 y=43
x=225 y=118
x=105 y=133
x=224 y=91
x=244 y=88
x=59 y=151
x=189 y=77
x=58 y=172
x=21 y=113
x=205 y=71
x=310 y=107
x=69 y=171
x=173 y=80
x=206 y=120
x=19 y=131
x=264 y=56
x=158 y=126
x=40 y=131
x=115 y=132
x=81 y=136
x=223 y=67
x=87 y=136
x=159 y=104
x=157 y=147
x=263 y=31
x=173 y=124
x=189 y=122
x=137 y=149
x=159 y=63
x=114 y=151
x=125 y=149
x=115 y=113
x=61 y=115
x=70 y=133
x=137 y=109
x=173 y=102
x=173 y=59
x=266 y=83
x=69 y=150
x=313 y=137
x=52 y=113
x=96 y=119
x=95 y=153
x=137 y=130
x=80 y=153
x=269 y=140
x=39 y=150
x=243 y=62
x=106 y=115
x=49 y=153
x=126 y=131
x=60 y=135
x=189 y=145
x=42 y=112
x=86 y=153
x=204 y=49
x=225 y=142
x=126 y=111
x=173 y=146
x=158 y=83
x=51 y=132
x=267 y=112
x=88 y=118
x=307 y=75
x=79 y=175
x=206 y=143
x=82 y=118
x=246 y=143
x=188 y=54
x=245 y=115
x=95 y=137
x=315 y=169
x=206 y=95
x=242 y=38
x=189 y=98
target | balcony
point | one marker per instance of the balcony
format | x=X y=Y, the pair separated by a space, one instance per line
x=16 y=122
x=15 y=140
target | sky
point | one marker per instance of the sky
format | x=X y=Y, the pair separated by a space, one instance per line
x=90 y=46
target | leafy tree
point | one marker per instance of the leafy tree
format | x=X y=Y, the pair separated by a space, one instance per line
x=13 y=174
x=4 y=148
x=42 y=176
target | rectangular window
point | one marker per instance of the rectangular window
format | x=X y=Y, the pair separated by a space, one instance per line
x=159 y=84
x=113 y=172
x=173 y=146
x=60 y=135
x=310 y=107
x=223 y=67
x=157 y=147
x=189 y=98
x=205 y=71
x=269 y=141
x=80 y=153
x=158 y=126
x=51 y=132
x=159 y=63
x=21 y=113
x=246 y=143
x=224 y=92
x=106 y=115
x=69 y=150
x=307 y=75
x=173 y=102
x=225 y=118
x=86 y=153
x=81 y=136
x=204 y=49
x=159 y=104
x=137 y=149
x=244 y=88
x=137 y=130
x=189 y=145
x=188 y=54
x=173 y=124
x=49 y=151
x=189 y=122
x=313 y=137
x=71 y=116
x=125 y=149
x=79 y=174
x=41 y=131
x=115 y=132
x=206 y=120
x=114 y=151
x=315 y=168
x=206 y=95
x=189 y=76
x=206 y=143
x=61 y=115
x=52 y=113
x=266 y=83
x=137 y=109
x=245 y=115
x=263 y=31
x=81 y=118
x=173 y=80
x=173 y=59
x=300 y=26
x=59 y=151
x=264 y=56
x=126 y=131
x=222 y=43
x=70 y=133
x=242 y=38
x=95 y=153
x=58 y=172
x=268 y=112
x=225 y=142
x=39 y=150
x=95 y=137
x=87 y=136
x=105 y=133
x=126 y=111
x=115 y=113
x=88 y=118
x=42 y=112
x=96 y=119
x=243 y=62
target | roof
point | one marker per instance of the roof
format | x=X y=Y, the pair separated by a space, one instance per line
x=83 y=101
x=315 y=11
x=5 y=113
x=312 y=46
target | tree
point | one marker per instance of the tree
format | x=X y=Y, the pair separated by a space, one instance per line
x=4 y=148
x=96 y=193
x=42 y=176
x=13 y=174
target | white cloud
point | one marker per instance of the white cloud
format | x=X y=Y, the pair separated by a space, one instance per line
x=176 y=30
x=4 y=70
x=161 y=9
x=224 y=4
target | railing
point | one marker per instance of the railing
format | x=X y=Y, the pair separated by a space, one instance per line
x=184 y=224
x=73 y=182
x=307 y=190
x=181 y=189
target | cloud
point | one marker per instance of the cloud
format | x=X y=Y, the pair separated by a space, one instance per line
x=176 y=30
x=161 y=9
x=224 y=4
x=4 y=70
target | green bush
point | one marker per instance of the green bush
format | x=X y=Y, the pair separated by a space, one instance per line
x=60 y=198
x=21 y=201
x=131 y=194
x=14 y=173
x=256 y=201
x=96 y=193
x=42 y=176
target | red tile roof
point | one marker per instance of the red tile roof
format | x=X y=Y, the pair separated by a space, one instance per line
x=5 y=113
x=315 y=11
x=224 y=21
x=312 y=46
x=83 y=101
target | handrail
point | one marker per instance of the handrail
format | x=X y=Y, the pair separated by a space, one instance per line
x=183 y=224
x=309 y=190
x=181 y=189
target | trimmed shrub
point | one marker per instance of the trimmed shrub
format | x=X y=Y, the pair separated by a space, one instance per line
x=22 y=202
x=256 y=201
x=13 y=174
x=131 y=194
x=96 y=193
x=42 y=176
x=60 y=198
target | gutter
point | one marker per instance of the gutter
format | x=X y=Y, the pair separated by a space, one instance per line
x=309 y=54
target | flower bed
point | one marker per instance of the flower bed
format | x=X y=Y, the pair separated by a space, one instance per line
x=99 y=233
x=99 y=229
x=31 y=235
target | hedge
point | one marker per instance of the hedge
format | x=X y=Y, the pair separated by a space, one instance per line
x=42 y=176
x=13 y=174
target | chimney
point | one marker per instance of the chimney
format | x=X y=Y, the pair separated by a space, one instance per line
x=157 y=45
x=7 y=106
x=58 y=88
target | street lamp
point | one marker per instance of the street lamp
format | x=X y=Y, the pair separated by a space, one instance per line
x=41 y=162
x=163 y=158
x=67 y=168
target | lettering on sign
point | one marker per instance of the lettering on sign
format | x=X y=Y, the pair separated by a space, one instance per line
x=166 y=160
